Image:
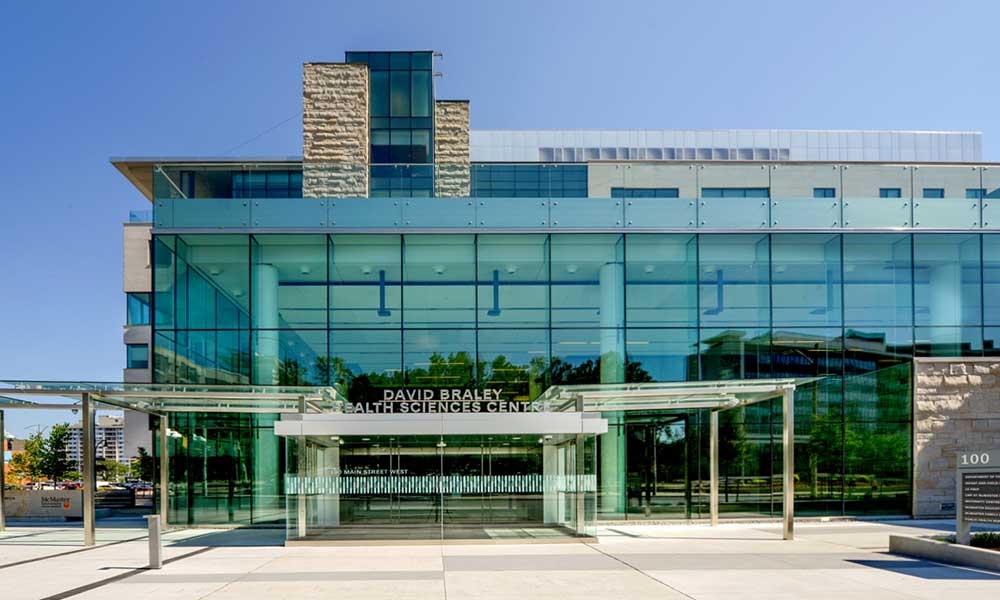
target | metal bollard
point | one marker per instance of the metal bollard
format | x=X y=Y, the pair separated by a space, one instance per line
x=155 y=542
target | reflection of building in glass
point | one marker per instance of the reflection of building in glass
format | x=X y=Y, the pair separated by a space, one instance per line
x=109 y=439
x=405 y=250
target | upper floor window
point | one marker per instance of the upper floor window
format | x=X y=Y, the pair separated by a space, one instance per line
x=824 y=192
x=136 y=356
x=137 y=309
x=933 y=192
x=975 y=193
x=890 y=193
x=735 y=192
x=622 y=192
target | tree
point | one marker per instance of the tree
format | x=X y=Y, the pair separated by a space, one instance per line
x=143 y=465
x=110 y=470
x=27 y=464
x=53 y=460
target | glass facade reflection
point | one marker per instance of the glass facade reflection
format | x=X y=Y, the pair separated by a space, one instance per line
x=526 y=311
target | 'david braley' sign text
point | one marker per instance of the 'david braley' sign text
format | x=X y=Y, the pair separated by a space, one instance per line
x=439 y=400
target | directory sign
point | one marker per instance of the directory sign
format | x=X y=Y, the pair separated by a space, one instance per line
x=978 y=490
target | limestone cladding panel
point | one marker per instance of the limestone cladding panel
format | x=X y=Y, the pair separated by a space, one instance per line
x=956 y=408
x=451 y=149
x=335 y=132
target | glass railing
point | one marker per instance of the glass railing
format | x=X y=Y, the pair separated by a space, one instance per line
x=140 y=216
x=573 y=213
x=463 y=196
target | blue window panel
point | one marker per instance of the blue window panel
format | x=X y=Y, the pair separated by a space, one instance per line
x=824 y=192
x=137 y=309
x=735 y=192
x=975 y=193
x=933 y=192
x=622 y=192
x=136 y=356
x=890 y=193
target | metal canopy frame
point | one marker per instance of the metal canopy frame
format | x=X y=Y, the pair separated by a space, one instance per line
x=158 y=400
x=716 y=396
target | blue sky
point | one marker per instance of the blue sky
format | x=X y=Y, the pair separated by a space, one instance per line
x=86 y=81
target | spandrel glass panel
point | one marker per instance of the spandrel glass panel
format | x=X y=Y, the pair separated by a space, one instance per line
x=947 y=279
x=588 y=280
x=661 y=355
x=514 y=360
x=436 y=358
x=513 y=285
x=734 y=276
x=290 y=281
x=806 y=279
x=587 y=356
x=878 y=280
x=365 y=281
x=364 y=361
x=439 y=274
x=661 y=280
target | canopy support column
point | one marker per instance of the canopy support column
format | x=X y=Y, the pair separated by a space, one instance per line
x=3 y=472
x=88 y=475
x=713 y=467
x=302 y=513
x=788 y=462
x=164 y=470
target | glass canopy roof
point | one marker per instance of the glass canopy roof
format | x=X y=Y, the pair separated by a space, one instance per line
x=164 y=398
x=684 y=395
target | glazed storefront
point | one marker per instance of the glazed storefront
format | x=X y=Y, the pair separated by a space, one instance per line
x=421 y=464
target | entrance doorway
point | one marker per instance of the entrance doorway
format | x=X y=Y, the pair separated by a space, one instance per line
x=383 y=487
x=661 y=467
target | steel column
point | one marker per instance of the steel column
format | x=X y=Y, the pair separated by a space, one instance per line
x=713 y=467
x=788 y=462
x=301 y=512
x=3 y=471
x=88 y=475
x=164 y=470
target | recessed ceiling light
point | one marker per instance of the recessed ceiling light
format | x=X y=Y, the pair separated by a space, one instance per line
x=305 y=270
x=366 y=270
x=648 y=269
x=214 y=271
x=439 y=269
x=511 y=269
x=571 y=269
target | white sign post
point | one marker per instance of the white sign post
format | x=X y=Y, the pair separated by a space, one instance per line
x=977 y=491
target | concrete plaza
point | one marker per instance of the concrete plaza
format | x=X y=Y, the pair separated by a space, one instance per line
x=843 y=560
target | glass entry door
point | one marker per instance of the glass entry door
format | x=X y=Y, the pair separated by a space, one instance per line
x=658 y=483
x=434 y=487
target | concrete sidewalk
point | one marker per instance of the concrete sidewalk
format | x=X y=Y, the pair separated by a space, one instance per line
x=842 y=560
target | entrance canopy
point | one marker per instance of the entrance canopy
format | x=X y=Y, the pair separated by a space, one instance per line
x=687 y=395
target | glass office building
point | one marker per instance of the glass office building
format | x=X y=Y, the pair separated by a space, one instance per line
x=646 y=266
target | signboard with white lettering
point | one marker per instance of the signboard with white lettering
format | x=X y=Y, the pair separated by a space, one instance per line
x=441 y=400
x=978 y=490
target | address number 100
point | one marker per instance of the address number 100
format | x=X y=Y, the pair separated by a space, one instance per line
x=975 y=459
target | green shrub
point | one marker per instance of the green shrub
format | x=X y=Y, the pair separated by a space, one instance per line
x=990 y=539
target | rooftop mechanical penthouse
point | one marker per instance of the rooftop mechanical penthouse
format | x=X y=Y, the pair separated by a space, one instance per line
x=636 y=315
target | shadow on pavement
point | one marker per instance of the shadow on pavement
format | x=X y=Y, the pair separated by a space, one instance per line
x=925 y=569
x=234 y=537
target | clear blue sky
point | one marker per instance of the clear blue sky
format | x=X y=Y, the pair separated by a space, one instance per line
x=86 y=81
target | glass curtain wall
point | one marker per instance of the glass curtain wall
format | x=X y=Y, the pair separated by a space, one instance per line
x=525 y=311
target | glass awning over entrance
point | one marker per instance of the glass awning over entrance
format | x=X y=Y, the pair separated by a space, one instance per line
x=159 y=399
x=685 y=395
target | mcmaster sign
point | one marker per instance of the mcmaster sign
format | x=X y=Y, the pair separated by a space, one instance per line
x=441 y=400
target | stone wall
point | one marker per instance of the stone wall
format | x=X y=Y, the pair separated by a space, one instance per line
x=451 y=148
x=335 y=138
x=956 y=407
